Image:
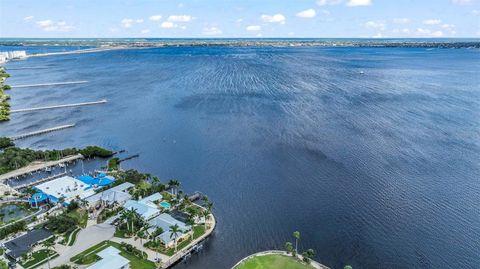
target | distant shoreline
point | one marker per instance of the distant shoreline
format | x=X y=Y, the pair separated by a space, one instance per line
x=124 y=43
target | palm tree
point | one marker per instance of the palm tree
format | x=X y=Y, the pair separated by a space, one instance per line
x=348 y=267
x=174 y=232
x=48 y=244
x=206 y=214
x=296 y=234
x=190 y=222
x=175 y=184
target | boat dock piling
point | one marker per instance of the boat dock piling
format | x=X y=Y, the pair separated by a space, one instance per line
x=58 y=106
x=48 y=130
x=50 y=84
x=37 y=166
x=36 y=182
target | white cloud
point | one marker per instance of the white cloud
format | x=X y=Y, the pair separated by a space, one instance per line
x=180 y=18
x=52 y=26
x=277 y=18
x=328 y=2
x=239 y=20
x=28 y=18
x=127 y=23
x=448 y=26
x=145 y=31
x=139 y=21
x=253 y=28
x=401 y=20
x=462 y=2
x=378 y=35
x=358 y=3
x=428 y=33
x=309 y=13
x=168 y=24
x=155 y=17
x=378 y=25
x=181 y=5
x=475 y=12
x=212 y=31
x=432 y=22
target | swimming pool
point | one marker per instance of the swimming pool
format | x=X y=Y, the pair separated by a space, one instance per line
x=165 y=205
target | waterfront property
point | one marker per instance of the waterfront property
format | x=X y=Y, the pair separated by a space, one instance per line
x=23 y=244
x=146 y=207
x=110 y=258
x=118 y=194
x=165 y=222
x=66 y=188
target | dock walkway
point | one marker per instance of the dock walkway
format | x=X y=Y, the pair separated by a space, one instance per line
x=36 y=166
x=58 y=106
x=49 y=84
x=48 y=130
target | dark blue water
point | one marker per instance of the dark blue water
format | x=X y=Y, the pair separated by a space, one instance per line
x=373 y=154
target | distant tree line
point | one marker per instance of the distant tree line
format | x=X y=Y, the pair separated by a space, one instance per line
x=13 y=158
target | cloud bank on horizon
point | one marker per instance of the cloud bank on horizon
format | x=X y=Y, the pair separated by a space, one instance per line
x=246 y=18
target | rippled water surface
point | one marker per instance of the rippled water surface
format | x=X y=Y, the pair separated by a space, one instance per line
x=373 y=154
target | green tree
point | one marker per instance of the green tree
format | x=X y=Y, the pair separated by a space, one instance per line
x=48 y=244
x=308 y=255
x=174 y=232
x=296 y=234
x=289 y=247
x=348 y=267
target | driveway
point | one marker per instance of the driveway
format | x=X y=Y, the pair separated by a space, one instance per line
x=86 y=238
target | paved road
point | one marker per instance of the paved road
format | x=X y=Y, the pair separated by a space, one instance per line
x=90 y=236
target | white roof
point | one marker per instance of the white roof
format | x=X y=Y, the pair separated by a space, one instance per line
x=115 y=194
x=149 y=200
x=144 y=210
x=164 y=221
x=111 y=259
x=67 y=187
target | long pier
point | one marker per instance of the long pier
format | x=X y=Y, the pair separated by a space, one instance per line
x=58 y=106
x=37 y=182
x=50 y=84
x=48 y=130
x=37 y=166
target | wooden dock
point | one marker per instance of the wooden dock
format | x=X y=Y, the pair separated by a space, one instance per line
x=36 y=182
x=58 y=106
x=37 y=166
x=48 y=130
x=50 y=84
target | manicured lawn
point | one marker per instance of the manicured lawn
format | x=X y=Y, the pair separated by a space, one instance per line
x=197 y=232
x=272 y=261
x=73 y=236
x=89 y=256
x=38 y=258
x=120 y=233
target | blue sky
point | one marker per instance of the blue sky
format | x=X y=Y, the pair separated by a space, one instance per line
x=241 y=18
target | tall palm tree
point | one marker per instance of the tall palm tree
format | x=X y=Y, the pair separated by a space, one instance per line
x=206 y=214
x=174 y=232
x=175 y=184
x=48 y=245
x=296 y=234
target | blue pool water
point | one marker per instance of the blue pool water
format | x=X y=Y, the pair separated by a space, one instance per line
x=165 y=205
x=373 y=154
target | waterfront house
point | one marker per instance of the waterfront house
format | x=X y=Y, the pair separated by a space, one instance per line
x=165 y=221
x=118 y=194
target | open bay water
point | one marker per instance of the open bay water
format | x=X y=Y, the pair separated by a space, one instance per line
x=373 y=154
